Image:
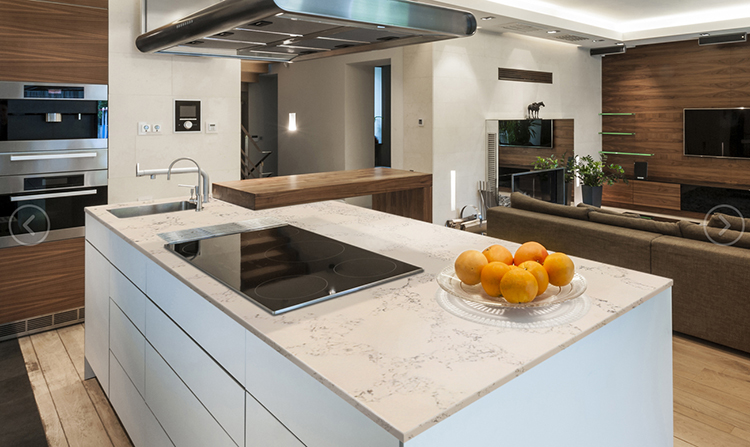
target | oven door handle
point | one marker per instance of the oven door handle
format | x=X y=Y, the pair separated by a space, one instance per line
x=53 y=195
x=51 y=156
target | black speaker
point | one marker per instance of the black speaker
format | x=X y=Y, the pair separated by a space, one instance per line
x=641 y=170
x=603 y=51
x=723 y=38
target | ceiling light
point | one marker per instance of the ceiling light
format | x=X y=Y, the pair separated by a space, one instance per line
x=598 y=40
x=554 y=31
x=381 y=27
x=488 y=18
x=705 y=34
x=619 y=43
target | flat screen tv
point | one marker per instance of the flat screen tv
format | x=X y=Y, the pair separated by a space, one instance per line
x=717 y=132
x=525 y=133
x=543 y=184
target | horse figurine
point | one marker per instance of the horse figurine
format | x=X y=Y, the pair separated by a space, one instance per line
x=533 y=109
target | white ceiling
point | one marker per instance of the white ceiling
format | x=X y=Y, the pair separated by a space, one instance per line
x=597 y=23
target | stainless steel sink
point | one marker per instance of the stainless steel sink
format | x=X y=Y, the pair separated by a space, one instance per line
x=157 y=208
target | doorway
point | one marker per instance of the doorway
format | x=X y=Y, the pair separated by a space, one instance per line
x=383 y=116
x=260 y=123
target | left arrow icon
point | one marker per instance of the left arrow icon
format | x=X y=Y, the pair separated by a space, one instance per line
x=26 y=226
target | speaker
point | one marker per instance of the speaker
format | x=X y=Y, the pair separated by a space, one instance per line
x=724 y=38
x=641 y=170
x=603 y=51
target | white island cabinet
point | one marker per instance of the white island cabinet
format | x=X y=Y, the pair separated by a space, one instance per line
x=186 y=361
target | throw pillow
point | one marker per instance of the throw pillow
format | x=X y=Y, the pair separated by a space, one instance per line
x=524 y=202
x=635 y=223
x=735 y=222
x=698 y=232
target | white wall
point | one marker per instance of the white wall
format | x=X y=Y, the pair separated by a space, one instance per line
x=327 y=96
x=142 y=88
x=451 y=85
x=467 y=92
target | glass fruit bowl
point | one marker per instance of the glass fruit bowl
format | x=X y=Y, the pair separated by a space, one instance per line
x=449 y=282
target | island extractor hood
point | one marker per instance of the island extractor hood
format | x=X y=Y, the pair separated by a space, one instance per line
x=286 y=30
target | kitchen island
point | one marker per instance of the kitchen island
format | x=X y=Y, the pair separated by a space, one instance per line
x=187 y=361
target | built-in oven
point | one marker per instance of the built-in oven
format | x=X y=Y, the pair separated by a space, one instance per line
x=53 y=159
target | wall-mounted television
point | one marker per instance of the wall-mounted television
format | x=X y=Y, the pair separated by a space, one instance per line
x=717 y=132
x=525 y=133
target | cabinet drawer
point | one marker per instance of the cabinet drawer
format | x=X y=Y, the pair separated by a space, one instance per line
x=128 y=298
x=265 y=430
x=96 y=335
x=120 y=254
x=315 y=414
x=128 y=345
x=142 y=427
x=657 y=195
x=222 y=337
x=218 y=391
x=185 y=420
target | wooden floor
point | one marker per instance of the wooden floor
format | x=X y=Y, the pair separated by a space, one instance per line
x=711 y=393
x=74 y=412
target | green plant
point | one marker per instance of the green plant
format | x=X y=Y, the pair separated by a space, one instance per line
x=597 y=173
x=553 y=162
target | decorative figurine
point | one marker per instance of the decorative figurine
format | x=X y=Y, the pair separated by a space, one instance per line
x=533 y=109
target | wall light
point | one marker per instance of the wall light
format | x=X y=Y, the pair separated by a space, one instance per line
x=453 y=190
x=292 y=121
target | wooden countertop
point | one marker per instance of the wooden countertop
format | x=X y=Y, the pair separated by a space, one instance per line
x=273 y=192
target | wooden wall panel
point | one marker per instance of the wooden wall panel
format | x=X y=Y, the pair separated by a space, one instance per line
x=41 y=279
x=524 y=157
x=52 y=42
x=657 y=82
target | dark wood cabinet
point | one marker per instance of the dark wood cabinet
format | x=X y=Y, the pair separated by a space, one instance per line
x=656 y=195
x=64 y=41
x=41 y=279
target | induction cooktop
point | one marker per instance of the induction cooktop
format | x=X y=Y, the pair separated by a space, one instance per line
x=284 y=268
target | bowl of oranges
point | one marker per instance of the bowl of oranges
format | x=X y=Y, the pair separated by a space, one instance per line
x=530 y=277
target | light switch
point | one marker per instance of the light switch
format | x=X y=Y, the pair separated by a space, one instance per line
x=212 y=128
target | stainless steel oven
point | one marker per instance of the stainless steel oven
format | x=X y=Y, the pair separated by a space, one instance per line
x=53 y=159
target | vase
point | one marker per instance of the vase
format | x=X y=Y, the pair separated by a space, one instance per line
x=592 y=195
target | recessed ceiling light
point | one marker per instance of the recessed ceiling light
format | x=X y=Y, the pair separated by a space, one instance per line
x=705 y=34
x=598 y=40
x=381 y=27
x=620 y=43
x=488 y=18
x=554 y=31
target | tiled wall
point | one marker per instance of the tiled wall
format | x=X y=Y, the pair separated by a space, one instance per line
x=142 y=88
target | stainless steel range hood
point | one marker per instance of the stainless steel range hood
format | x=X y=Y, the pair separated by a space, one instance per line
x=286 y=30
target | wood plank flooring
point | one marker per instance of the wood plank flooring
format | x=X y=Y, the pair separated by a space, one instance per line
x=711 y=393
x=74 y=412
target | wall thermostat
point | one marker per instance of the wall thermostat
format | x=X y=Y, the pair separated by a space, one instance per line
x=187 y=115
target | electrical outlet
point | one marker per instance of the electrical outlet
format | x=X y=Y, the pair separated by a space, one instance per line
x=158 y=129
x=144 y=128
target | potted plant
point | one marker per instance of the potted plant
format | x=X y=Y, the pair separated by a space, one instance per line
x=553 y=162
x=594 y=174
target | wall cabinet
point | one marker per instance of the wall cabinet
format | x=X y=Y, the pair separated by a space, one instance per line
x=62 y=41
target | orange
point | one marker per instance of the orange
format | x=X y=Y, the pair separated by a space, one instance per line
x=518 y=286
x=540 y=274
x=560 y=269
x=469 y=265
x=498 y=253
x=491 y=276
x=530 y=251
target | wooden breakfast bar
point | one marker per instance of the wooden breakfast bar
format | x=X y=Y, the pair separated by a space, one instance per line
x=394 y=191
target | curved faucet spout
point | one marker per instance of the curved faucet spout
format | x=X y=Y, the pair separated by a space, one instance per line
x=198 y=189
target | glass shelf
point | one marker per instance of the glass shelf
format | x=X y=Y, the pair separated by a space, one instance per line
x=626 y=153
x=616 y=114
x=618 y=133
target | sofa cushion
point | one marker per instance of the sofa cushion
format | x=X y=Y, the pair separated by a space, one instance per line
x=698 y=232
x=735 y=222
x=607 y=211
x=609 y=244
x=636 y=223
x=524 y=202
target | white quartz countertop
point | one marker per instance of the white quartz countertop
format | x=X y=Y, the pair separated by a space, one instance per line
x=391 y=351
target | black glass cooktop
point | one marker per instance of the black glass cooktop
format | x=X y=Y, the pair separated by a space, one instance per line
x=285 y=268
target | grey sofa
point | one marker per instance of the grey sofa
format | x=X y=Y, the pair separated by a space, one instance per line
x=711 y=293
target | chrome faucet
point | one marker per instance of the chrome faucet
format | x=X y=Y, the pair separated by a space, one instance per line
x=203 y=174
x=197 y=188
